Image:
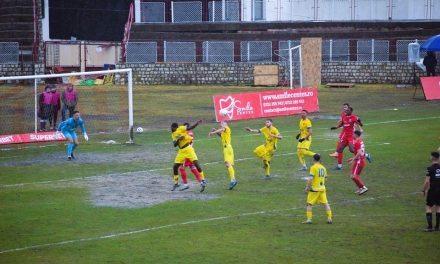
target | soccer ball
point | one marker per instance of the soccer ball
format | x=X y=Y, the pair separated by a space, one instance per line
x=223 y=112
x=139 y=130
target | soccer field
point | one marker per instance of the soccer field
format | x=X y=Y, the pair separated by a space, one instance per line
x=114 y=204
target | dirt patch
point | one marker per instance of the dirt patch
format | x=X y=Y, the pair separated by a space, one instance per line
x=135 y=190
x=140 y=155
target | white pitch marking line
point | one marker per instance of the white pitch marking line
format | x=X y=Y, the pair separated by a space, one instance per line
x=176 y=225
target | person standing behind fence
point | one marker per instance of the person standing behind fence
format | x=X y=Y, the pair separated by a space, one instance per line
x=45 y=106
x=56 y=105
x=69 y=97
x=430 y=62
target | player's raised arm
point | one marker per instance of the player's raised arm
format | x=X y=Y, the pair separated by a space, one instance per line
x=195 y=125
x=216 y=131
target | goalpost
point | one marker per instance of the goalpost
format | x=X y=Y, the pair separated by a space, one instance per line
x=106 y=109
x=291 y=65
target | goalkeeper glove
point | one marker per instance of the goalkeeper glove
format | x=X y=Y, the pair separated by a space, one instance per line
x=297 y=136
x=86 y=137
x=333 y=128
x=301 y=140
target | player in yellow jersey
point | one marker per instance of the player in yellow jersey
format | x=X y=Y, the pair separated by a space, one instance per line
x=186 y=151
x=304 y=139
x=265 y=152
x=315 y=189
x=228 y=152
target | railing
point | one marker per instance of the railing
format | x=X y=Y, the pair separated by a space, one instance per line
x=127 y=31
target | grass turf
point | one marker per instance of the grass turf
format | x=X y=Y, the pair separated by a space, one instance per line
x=259 y=221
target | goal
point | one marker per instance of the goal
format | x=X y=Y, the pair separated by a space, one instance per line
x=106 y=108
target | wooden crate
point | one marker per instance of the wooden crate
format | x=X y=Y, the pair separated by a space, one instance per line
x=266 y=75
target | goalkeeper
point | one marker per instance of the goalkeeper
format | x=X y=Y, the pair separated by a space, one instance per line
x=68 y=128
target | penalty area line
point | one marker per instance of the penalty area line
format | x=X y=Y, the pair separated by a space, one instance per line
x=197 y=221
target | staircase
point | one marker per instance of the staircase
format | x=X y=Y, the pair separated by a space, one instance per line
x=17 y=25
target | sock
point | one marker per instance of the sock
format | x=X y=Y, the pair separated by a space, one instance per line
x=69 y=149
x=309 y=215
x=231 y=172
x=266 y=167
x=301 y=157
x=183 y=174
x=196 y=173
x=202 y=175
x=437 y=220
x=358 y=181
x=176 y=179
x=340 y=158
x=329 y=214
x=429 y=219
x=74 y=147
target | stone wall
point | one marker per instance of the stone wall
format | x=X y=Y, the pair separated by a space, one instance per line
x=242 y=73
x=369 y=72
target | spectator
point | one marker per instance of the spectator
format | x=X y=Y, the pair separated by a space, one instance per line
x=70 y=100
x=45 y=106
x=430 y=62
x=56 y=105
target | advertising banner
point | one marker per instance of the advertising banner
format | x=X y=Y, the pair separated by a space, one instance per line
x=31 y=138
x=265 y=104
x=431 y=87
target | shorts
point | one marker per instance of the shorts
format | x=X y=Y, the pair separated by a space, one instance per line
x=345 y=140
x=357 y=168
x=184 y=154
x=188 y=163
x=264 y=153
x=228 y=154
x=317 y=197
x=70 y=134
x=433 y=197
x=304 y=145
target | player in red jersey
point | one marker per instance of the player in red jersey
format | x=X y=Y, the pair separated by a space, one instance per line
x=358 y=162
x=348 y=123
x=345 y=106
x=188 y=164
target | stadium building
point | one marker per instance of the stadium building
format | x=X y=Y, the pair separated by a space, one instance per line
x=204 y=41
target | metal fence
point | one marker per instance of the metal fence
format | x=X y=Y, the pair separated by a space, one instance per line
x=188 y=11
x=402 y=49
x=9 y=52
x=180 y=51
x=336 y=50
x=373 y=50
x=141 y=52
x=226 y=10
x=367 y=50
x=256 y=51
x=218 y=51
x=152 y=12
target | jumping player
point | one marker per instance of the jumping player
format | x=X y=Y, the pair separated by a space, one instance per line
x=358 y=162
x=265 y=152
x=68 y=128
x=186 y=151
x=228 y=152
x=304 y=139
x=348 y=123
x=188 y=164
x=345 y=106
x=315 y=189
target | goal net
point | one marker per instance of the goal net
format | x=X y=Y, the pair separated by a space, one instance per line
x=289 y=56
x=30 y=104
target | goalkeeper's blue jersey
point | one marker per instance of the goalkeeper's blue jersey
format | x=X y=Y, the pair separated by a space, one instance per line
x=71 y=125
